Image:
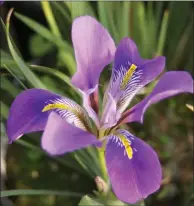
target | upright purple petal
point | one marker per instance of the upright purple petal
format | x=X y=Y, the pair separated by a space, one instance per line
x=29 y=112
x=133 y=167
x=109 y=115
x=94 y=49
x=92 y=114
x=131 y=73
x=170 y=84
x=60 y=137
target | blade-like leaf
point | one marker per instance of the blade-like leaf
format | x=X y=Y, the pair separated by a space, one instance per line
x=29 y=75
x=64 y=46
x=179 y=12
x=126 y=21
x=80 y=9
x=139 y=27
x=7 y=193
x=162 y=35
x=106 y=16
x=60 y=8
x=4 y=110
x=50 y=18
x=20 y=82
x=44 y=32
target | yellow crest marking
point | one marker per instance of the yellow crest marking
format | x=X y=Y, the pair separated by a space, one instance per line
x=79 y=115
x=127 y=146
x=128 y=75
x=57 y=106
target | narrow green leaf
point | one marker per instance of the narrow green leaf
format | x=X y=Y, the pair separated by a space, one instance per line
x=83 y=164
x=180 y=12
x=13 y=68
x=4 y=29
x=80 y=9
x=4 y=110
x=139 y=23
x=8 y=86
x=59 y=7
x=106 y=16
x=44 y=32
x=30 y=76
x=102 y=13
x=158 y=12
x=162 y=35
x=50 y=18
x=152 y=29
x=65 y=49
x=63 y=161
x=7 y=193
x=125 y=19
x=55 y=73
x=20 y=82
x=183 y=47
x=38 y=46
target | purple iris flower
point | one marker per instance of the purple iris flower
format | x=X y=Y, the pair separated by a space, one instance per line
x=132 y=165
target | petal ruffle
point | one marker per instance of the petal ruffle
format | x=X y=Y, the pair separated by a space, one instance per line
x=60 y=137
x=133 y=167
x=131 y=73
x=94 y=49
x=170 y=84
x=29 y=112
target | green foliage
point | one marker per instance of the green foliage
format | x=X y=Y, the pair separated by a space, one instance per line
x=156 y=32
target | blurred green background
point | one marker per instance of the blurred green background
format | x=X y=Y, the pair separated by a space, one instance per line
x=36 y=51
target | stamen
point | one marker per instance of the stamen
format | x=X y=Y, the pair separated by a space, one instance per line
x=128 y=76
x=126 y=143
x=56 y=106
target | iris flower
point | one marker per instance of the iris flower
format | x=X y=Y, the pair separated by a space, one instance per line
x=133 y=166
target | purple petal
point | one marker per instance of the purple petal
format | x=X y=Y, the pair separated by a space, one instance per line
x=92 y=114
x=109 y=115
x=170 y=84
x=29 y=112
x=60 y=137
x=133 y=167
x=131 y=73
x=94 y=49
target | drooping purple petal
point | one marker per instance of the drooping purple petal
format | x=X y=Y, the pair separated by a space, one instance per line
x=131 y=73
x=30 y=110
x=60 y=137
x=94 y=49
x=133 y=167
x=170 y=84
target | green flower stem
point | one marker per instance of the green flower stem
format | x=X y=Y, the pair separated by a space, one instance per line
x=102 y=163
x=101 y=155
